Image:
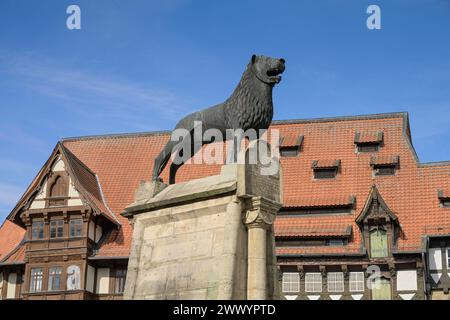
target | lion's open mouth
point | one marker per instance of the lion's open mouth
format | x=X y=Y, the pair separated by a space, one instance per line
x=274 y=74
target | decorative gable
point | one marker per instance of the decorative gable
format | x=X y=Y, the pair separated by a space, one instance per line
x=376 y=209
x=64 y=181
x=379 y=225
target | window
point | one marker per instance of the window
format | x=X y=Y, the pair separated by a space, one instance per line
x=356 y=280
x=37 y=230
x=289 y=151
x=73 y=278
x=54 y=279
x=448 y=258
x=378 y=243
x=36 y=280
x=335 y=281
x=57 y=192
x=291 y=282
x=325 y=173
x=1 y=284
x=381 y=289
x=335 y=242
x=367 y=147
x=386 y=170
x=56 y=229
x=445 y=202
x=313 y=282
x=76 y=228
x=121 y=275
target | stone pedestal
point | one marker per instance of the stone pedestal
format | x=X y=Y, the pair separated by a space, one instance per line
x=210 y=238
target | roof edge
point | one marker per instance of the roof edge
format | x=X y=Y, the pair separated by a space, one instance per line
x=116 y=135
x=374 y=116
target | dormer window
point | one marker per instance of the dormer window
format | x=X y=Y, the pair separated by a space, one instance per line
x=325 y=169
x=379 y=225
x=385 y=166
x=444 y=198
x=367 y=142
x=290 y=145
x=378 y=243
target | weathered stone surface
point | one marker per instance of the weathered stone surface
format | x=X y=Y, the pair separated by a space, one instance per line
x=191 y=241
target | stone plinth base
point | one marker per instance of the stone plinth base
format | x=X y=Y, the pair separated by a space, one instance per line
x=209 y=238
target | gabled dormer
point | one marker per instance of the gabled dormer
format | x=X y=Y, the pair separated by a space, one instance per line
x=379 y=226
x=64 y=201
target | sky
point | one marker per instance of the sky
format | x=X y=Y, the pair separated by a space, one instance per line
x=139 y=65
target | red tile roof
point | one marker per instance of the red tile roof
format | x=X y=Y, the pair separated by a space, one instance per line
x=121 y=162
x=11 y=236
x=292 y=227
x=326 y=163
x=16 y=256
x=369 y=137
x=385 y=159
x=291 y=140
x=320 y=201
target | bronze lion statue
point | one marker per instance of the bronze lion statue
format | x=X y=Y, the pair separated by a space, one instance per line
x=249 y=107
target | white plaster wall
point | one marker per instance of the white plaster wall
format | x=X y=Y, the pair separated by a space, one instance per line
x=59 y=165
x=102 y=280
x=42 y=194
x=98 y=233
x=435 y=258
x=91 y=233
x=90 y=278
x=73 y=193
x=407 y=280
x=37 y=204
x=12 y=283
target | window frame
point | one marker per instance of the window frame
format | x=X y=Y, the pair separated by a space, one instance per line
x=289 y=152
x=332 y=280
x=120 y=277
x=447 y=250
x=54 y=275
x=378 y=173
x=356 y=281
x=290 y=285
x=36 y=279
x=360 y=147
x=333 y=172
x=314 y=282
x=41 y=230
x=371 y=247
x=74 y=227
x=59 y=226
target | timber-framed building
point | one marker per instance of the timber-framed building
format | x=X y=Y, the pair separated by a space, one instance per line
x=362 y=218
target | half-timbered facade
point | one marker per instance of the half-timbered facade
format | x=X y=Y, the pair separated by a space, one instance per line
x=362 y=218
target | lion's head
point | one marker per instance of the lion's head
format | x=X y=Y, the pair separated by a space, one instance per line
x=267 y=69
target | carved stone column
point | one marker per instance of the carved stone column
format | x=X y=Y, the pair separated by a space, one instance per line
x=259 y=218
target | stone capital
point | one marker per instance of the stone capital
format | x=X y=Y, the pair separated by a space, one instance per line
x=260 y=212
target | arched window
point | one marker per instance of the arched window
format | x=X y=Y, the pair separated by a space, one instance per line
x=378 y=243
x=57 y=192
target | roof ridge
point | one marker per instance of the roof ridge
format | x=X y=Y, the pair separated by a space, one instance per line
x=401 y=114
x=373 y=116
x=116 y=135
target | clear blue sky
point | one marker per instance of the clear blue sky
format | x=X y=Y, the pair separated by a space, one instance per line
x=138 y=65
